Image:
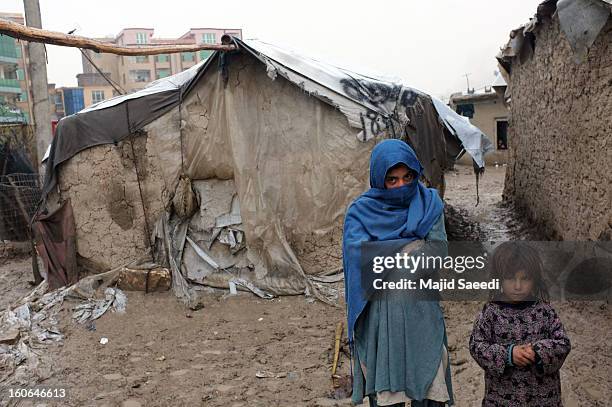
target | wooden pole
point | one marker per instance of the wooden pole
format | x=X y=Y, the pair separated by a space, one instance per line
x=37 y=35
x=37 y=69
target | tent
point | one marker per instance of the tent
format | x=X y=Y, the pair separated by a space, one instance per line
x=240 y=168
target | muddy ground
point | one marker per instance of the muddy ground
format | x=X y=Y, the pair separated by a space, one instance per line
x=160 y=354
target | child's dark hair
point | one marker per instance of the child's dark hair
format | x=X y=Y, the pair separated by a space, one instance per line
x=511 y=257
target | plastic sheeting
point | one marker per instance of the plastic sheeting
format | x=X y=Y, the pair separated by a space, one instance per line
x=374 y=105
x=293 y=176
x=371 y=104
x=475 y=144
x=581 y=21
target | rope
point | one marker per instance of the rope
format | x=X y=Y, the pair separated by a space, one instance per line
x=144 y=209
x=115 y=85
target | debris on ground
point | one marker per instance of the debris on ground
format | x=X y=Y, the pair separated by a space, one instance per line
x=32 y=324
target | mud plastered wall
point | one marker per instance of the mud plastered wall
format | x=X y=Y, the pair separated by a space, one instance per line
x=560 y=136
x=103 y=187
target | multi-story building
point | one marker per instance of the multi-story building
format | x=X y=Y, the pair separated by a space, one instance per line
x=15 y=103
x=95 y=87
x=132 y=73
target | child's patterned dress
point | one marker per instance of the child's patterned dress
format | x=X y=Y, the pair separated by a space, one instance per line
x=501 y=325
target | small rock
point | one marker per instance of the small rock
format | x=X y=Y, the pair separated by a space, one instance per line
x=10 y=337
x=325 y=402
x=594 y=391
x=211 y=352
x=131 y=403
x=113 y=376
x=459 y=361
x=223 y=388
x=179 y=372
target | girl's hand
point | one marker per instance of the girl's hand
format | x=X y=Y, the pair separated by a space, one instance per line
x=530 y=352
x=523 y=355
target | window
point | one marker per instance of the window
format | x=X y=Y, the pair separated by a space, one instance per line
x=466 y=110
x=204 y=54
x=23 y=97
x=161 y=58
x=18 y=51
x=139 y=59
x=502 y=134
x=140 y=75
x=187 y=56
x=141 y=38
x=162 y=73
x=20 y=74
x=97 y=96
x=209 y=38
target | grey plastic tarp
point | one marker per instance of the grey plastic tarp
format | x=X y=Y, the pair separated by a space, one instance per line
x=368 y=103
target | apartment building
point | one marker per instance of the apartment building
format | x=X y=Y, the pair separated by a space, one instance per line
x=132 y=73
x=15 y=103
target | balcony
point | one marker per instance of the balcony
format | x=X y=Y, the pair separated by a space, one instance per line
x=9 y=86
x=8 y=50
x=5 y=59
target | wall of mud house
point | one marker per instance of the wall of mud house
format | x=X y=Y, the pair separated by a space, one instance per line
x=103 y=187
x=560 y=136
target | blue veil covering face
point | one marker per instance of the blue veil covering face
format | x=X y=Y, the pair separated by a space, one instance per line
x=406 y=213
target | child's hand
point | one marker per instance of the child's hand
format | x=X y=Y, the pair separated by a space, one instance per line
x=531 y=352
x=523 y=355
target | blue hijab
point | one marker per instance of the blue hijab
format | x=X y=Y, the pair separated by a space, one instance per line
x=407 y=213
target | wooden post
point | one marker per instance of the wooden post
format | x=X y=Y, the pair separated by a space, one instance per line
x=38 y=75
x=40 y=100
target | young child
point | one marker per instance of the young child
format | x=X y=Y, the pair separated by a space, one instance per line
x=518 y=338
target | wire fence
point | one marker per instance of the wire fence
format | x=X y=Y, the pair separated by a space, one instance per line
x=19 y=197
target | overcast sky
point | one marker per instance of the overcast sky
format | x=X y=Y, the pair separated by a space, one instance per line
x=430 y=44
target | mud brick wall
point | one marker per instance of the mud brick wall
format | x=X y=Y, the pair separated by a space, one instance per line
x=560 y=136
x=102 y=185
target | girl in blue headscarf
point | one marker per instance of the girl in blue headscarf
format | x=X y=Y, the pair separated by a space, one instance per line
x=398 y=344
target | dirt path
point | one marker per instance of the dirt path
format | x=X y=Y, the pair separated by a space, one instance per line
x=159 y=354
x=586 y=374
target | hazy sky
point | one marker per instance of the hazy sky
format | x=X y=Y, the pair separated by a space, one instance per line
x=430 y=44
